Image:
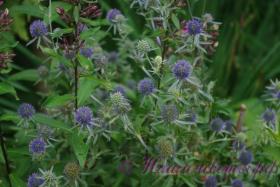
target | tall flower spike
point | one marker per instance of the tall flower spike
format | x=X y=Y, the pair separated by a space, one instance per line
x=38 y=28
x=146 y=86
x=182 y=69
x=34 y=180
x=26 y=111
x=83 y=116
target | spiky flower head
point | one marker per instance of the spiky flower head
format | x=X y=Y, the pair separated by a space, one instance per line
x=269 y=116
x=120 y=104
x=193 y=27
x=217 y=124
x=26 y=111
x=229 y=125
x=72 y=170
x=34 y=180
x=146 y=86
x=44 y=132
x=236 y=183
x=182 y=69
x=83 y=116
x=43 y=71
x=50 y=178
x=37 y=146
x=273 y=91
x=246 y=157
x=113 y=15
x=143 y=46
x=191 y=116
x=38 y=28
x=165 y=148
x=169 y=113
x=86 y=52
x=211 y=181
x=207 y=17
x=120 y=89
x=158 y=60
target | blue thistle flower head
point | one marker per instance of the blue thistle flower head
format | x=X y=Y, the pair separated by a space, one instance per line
x=86 y=52
x=236 y=183
x=83 y=116
x=37 y=146
x=229 y=125
x=269 y=116
x=193 y=27
x=26 y=111
x=211 y=181
x=217 y=124
x=238 y=145
x=146 y=86
x=169 y=113
x=246 y=157
x=120 y=89
x=113 y=14
x=38 y=28
x=182 y=69
x=34 y=180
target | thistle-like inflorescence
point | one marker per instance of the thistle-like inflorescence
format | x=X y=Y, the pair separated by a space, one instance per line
x=169 y=113
x=273 y=90
x=229 y=125
x=217 y=124
x=84 y=116
x=236 y=183
x=211 y=181
x=269 y=116
x=34 y=180
x=86 y=52
x=113 y=15
x=38 y=28
x=26 y=111
x=72 y=171
x=37 y=146
x=120 y=89
x=182 y=69
x=50 y=178
x=193 y=27
x=120 y=104
x=44 y=132
x=165 y=148
x=191 y=116
x=146 y=86
x=143 y=47
x=246 y=157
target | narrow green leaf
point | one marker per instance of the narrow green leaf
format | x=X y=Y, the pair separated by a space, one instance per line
x=16 y=181
x=26 y=75
x=175 y=21
x=7 y=89
x=87 y=85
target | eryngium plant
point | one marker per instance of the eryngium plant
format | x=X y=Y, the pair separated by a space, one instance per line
x=150 y=96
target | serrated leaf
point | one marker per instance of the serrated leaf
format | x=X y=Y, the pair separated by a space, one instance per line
x=7 y=89
x=80 y=147
x=87 y=85
x=46 y=120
